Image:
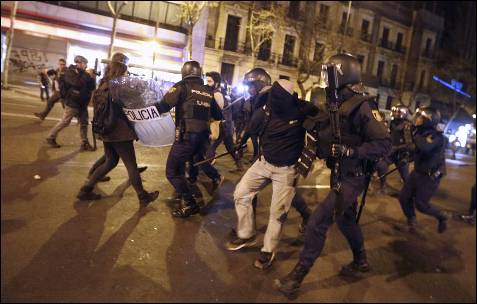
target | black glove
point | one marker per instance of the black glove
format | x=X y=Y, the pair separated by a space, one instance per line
x=338 y=150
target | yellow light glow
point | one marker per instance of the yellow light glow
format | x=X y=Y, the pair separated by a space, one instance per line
x=92 y=38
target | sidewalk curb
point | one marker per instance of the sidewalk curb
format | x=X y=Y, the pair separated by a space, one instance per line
x=25 y=93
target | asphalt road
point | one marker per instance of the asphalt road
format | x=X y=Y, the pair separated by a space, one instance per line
x=55 y=248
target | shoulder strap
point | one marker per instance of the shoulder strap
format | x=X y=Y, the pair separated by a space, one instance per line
x=353 y=103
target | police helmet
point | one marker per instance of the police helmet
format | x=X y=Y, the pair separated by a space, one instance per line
x=216 y=77
x=120 y=58
x=431 y=116
x=257 y=77
x=400 y=111
x=191 y=69
x=349 y=69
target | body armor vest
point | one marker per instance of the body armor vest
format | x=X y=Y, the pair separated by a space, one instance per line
x=350 y=134
x=196 y=107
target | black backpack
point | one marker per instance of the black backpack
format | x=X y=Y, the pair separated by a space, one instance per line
x=105 y=112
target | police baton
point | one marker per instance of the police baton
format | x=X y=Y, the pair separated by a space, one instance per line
x=397 y=168
x=218 y=156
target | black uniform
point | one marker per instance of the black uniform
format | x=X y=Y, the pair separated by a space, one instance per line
x=225 y=132
x=363 y=131
x=422 y=183
x=195 y=106
x=401 y=138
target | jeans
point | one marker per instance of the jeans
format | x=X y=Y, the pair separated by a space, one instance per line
x=81 y=114
x=51 y=102
x=259 y=175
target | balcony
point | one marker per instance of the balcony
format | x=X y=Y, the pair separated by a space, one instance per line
x=427 y=53
x=386 y=44
x=349 y=30
x=366 y=37
x=219 y=44
x=400 y=49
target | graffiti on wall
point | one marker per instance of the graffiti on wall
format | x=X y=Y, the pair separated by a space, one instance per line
x=27 y=60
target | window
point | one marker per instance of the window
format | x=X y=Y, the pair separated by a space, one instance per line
x=265 y=50
x=173 y=12
x=384 y=39
x=319 y=52
x=227 y=72
x=361 y=60
x=324 y=12
x=365 y=26
x=231 y=33
x=283 y=77
x=158 y=11
x=294 y=9
x=142 y=9
x=288 y=50
x=394 y=71
x=427 y=51
x=380 y=71
x=399 y=41
x=421 y=81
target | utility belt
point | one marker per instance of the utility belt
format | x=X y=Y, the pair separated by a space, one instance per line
x=350 y=167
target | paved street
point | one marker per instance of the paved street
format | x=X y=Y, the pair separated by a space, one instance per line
x=55 y=248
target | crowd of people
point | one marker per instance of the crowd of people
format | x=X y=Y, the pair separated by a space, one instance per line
x=277 y=121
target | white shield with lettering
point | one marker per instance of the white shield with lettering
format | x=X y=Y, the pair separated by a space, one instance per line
x=137 y=98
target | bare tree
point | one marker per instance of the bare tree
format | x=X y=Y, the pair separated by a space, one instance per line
x=262 y=24
x=115 y=18
x=9 y=44
x=190 y=12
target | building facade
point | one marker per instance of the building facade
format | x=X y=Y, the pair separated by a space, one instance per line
x=395 y=41
x=48 y=30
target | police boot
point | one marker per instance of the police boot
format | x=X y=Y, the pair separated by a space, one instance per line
x=359 y=264
x=290 y=284
x=186 y=209
x=85 y=146
x=86 y=194
x=147 y=197
x=442 y=224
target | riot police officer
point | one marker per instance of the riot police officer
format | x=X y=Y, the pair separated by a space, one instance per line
x=429 y=168
x=363 y=138
x=259 y=83
x=214 y=80
x=401 y=137
x=195 y=106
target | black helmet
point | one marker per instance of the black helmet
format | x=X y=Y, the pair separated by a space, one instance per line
x=216 y=77
x=258 y=77
x=120 y=58
x=432 y=116
x=349 y=69
x=400 y=111
x=191 y=69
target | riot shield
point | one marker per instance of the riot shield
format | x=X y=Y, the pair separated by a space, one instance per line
x=137 y=97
